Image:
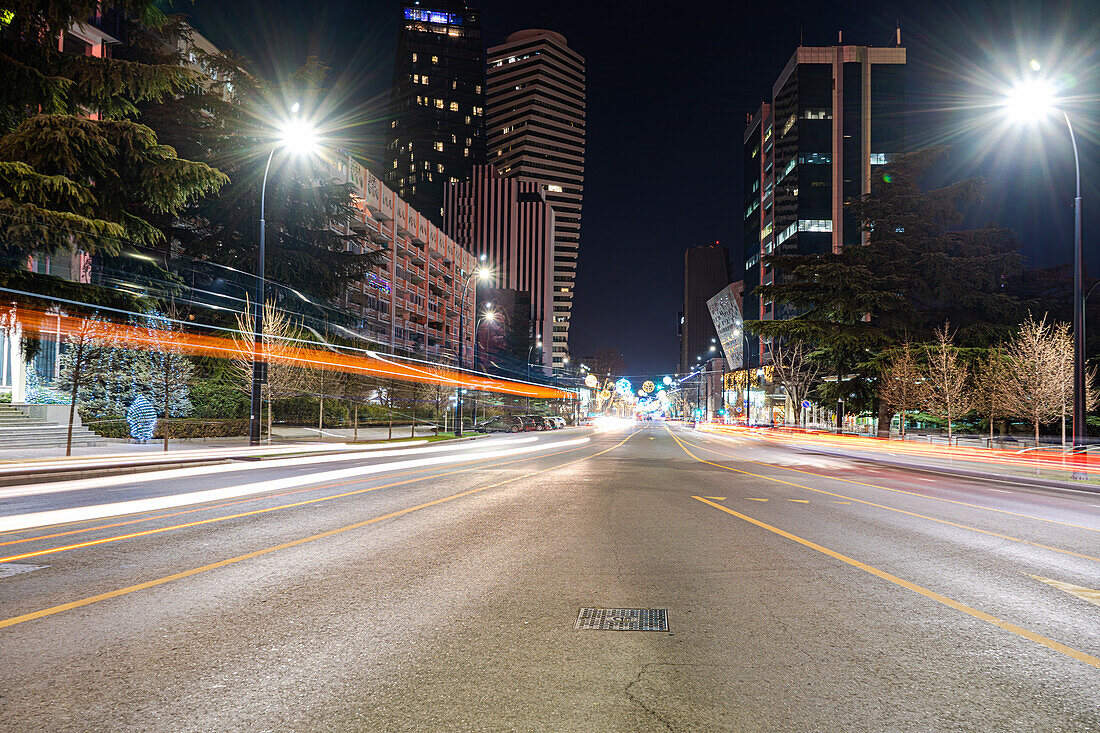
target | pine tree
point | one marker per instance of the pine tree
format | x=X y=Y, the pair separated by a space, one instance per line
x=76 y=172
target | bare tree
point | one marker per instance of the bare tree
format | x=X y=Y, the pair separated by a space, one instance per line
x=796 y=373
x=86 y=341
x=991 y=387
x=605 y=362
x=902 y=385
x=282 y=348
x=171 y=371
x=949 y=393
x=1036 y=389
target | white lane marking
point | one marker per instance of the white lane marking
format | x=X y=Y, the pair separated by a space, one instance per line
x=102 y=482
x=9 y=569
x=1001 y=491
x=76 y=514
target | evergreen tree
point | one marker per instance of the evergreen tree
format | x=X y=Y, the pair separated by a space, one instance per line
x=915 y=272
x=76 y=172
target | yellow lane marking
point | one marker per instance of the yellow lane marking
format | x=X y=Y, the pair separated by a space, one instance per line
x=683 y=446
x=1087 y=594
x=306 y=502
x=897 y=491
x=840 y=502
x=754 y=499
x=283 y=546
x=800 y=501
x=717 y=498
x=949 y=602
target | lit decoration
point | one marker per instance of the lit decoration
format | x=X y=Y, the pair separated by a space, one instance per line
x=667 y=381
x=648 y=387
x=142 y=419
x=624 y=387
x=605 y=395
x=591 y=382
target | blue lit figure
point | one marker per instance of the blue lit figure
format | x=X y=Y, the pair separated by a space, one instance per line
x=624 y=387
x=142 y=419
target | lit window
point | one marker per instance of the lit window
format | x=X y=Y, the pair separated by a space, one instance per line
x=814 y=158
x=477 y=111
x=768 y=134
x=880 y=158
x=393 y=123
x=439 y=146
x=817 y=114
x=554 y=187
x=454 y=180
x=424 y=79
x=469 y=141
x=439 y=167
x=815 y=225
x=466 y=152
x=395 y=164
x=416 y=78
x=454 y=84
x=414 y=58
x=789 y=124
x=454 y=106
x=439 y=104
x=477 y=89
x=435 y=59
x=467 y=119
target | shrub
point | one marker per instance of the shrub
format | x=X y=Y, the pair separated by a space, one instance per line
x=213 y=399
x=303 y=411
x=185 y=428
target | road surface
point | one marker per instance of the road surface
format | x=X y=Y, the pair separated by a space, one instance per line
x=439 y=590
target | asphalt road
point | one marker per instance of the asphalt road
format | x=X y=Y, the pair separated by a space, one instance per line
x=804 y=592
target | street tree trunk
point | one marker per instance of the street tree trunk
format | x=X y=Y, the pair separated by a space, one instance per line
x=77 y=364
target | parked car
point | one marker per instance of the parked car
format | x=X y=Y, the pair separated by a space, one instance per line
x=502 y=424
x=537 y=422
x=559 y=422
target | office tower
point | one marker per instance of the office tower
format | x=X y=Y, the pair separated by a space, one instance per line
x=706 y=272
x=535 y=122
x=436 y=130
x=836 y=113
x=512 y=223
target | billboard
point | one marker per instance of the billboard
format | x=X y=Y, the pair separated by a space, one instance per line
x=728 y=322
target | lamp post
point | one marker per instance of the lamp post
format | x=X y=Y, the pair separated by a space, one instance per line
x=1032 y=100
x=481 y=273
x=489 y=317
x=300 y=137
x=536 y=345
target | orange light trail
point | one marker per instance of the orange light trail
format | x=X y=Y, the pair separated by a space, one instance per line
x=148 y=338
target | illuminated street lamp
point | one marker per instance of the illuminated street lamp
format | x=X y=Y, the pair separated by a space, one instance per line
x=482 y=272
x=297 y=137
x=1033 y=100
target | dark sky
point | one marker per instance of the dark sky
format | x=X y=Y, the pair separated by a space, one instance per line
x=669 y=86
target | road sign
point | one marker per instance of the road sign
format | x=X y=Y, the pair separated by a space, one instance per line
x=805 y=404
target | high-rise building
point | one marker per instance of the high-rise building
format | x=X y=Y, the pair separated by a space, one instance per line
x=706 y=272
x=511 y=222
x=436 y=127
x=535 y=122
x=835 y=114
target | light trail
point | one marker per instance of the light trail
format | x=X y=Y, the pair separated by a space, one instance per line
x=100 y=511
x=100 y=482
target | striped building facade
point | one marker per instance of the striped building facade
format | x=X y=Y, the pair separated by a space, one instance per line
x=535 y=124
x=511 y=222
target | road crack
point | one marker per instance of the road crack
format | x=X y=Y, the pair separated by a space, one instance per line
x=646 y=668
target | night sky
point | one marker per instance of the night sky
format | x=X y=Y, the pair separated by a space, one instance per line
x=669 y=87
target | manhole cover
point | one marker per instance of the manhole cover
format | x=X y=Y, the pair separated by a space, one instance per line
x=623 y=619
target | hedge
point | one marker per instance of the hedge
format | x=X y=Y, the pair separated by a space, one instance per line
x=178 y=428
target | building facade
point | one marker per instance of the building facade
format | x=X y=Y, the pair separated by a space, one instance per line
x=536 y=132
x=835 y=114
x=512 y=223
x=706 y=272
x=411 y=303
x=435 y=131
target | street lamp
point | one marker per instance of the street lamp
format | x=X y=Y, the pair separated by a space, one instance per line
x=1032 y=100
x=482 y=272
x=536 y=345
x=298 y=137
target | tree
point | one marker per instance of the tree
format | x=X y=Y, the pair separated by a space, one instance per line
x=902 y=384
x=605 y=362
x=1036 y=389
x=915 y=271
x=172 y=372
x=991 y=386
x=949 y=393
x=86 y=342
x=74 y=181
x=283 y=351
x=795 y=372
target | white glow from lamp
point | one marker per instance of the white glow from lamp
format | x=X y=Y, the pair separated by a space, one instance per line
x=299 y=137
x=1031 y=100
